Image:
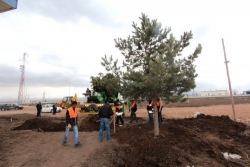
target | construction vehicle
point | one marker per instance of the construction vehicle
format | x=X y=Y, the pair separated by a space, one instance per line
x=95 y=100
x=66 y=101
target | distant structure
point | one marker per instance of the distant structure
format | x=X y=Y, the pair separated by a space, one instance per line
x=7 y=5
x=246 y=92
x=22 y=80
x=214 y=93
x=44 y=99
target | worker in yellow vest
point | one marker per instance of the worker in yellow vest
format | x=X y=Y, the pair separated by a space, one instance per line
x=71 y=122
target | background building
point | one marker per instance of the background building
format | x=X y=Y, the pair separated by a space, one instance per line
x=7 y=5
x=214 y=93
x=246 y=92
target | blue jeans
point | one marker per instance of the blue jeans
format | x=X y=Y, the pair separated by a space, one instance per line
x=151 y=117
x=75 y=130
x=104 y=122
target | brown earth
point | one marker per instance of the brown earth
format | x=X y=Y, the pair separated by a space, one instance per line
x=182 y=142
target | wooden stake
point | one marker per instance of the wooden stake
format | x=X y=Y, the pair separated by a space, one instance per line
x=229 y=82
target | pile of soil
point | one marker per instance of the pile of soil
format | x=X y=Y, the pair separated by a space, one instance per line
x=89 y=124
x=41 y=124
x=184 y=142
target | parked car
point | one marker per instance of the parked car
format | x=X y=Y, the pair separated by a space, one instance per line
x=17 y=106
x=7 y=107
x=49 y=108
x=1 y=106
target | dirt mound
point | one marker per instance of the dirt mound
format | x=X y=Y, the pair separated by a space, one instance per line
x=195 y=141
x=41 y=124
x=89 y=124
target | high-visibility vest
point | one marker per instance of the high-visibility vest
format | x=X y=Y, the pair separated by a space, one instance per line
x=133 y=105
x=158 y=104
x=118 y=107
x=73 y=113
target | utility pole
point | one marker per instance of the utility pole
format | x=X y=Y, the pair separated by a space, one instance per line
x=228 y=77
x=21 y=91
x=44 y=99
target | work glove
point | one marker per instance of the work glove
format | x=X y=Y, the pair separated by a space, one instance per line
x=69 y=126
x=78 y=123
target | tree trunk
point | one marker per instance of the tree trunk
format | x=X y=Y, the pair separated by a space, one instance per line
x=156 y=120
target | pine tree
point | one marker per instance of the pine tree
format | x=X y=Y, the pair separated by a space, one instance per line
x=154 y=63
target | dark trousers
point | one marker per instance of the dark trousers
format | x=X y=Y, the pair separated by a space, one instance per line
x=119 y=118
x=159 y=114
x=54 y=111
x=38 y=113
x=133 y=116
x=151 y=117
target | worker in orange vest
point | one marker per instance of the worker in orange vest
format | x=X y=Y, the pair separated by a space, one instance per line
x=72 y=122
x=133 y=112
x=119 y=113
x=150 y=109
x=159 y=109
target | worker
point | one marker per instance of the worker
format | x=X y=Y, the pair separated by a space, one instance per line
x=54 y=109
x=150 y=109
x=159 y=109
x=133 y=111
x=119 y=113
x=72 y=122
x=104 y=114
x=39 y=109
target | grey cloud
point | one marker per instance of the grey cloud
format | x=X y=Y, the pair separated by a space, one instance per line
x=70 y=11
x=50 y=59
x=56 y=61
x=10 y=77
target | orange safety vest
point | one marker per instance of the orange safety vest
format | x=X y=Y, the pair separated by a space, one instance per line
x=118 y=107
x=158 y=103
x=73 y=113
x=133 y=105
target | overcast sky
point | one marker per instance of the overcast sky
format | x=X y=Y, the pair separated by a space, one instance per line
x=65 y=41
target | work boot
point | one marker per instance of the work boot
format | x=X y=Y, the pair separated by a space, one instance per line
x=78 y=144
x=64 y=143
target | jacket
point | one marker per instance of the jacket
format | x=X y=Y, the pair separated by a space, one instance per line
x=38 y=107
x=134 y=107
x=150 y=106
x=105 y=111
x=118 y=110
x=158 y=103
x=71 y=116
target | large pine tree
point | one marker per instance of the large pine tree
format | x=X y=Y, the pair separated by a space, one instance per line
x=154 y=64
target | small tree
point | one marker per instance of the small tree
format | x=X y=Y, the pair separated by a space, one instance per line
x=155 y=66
